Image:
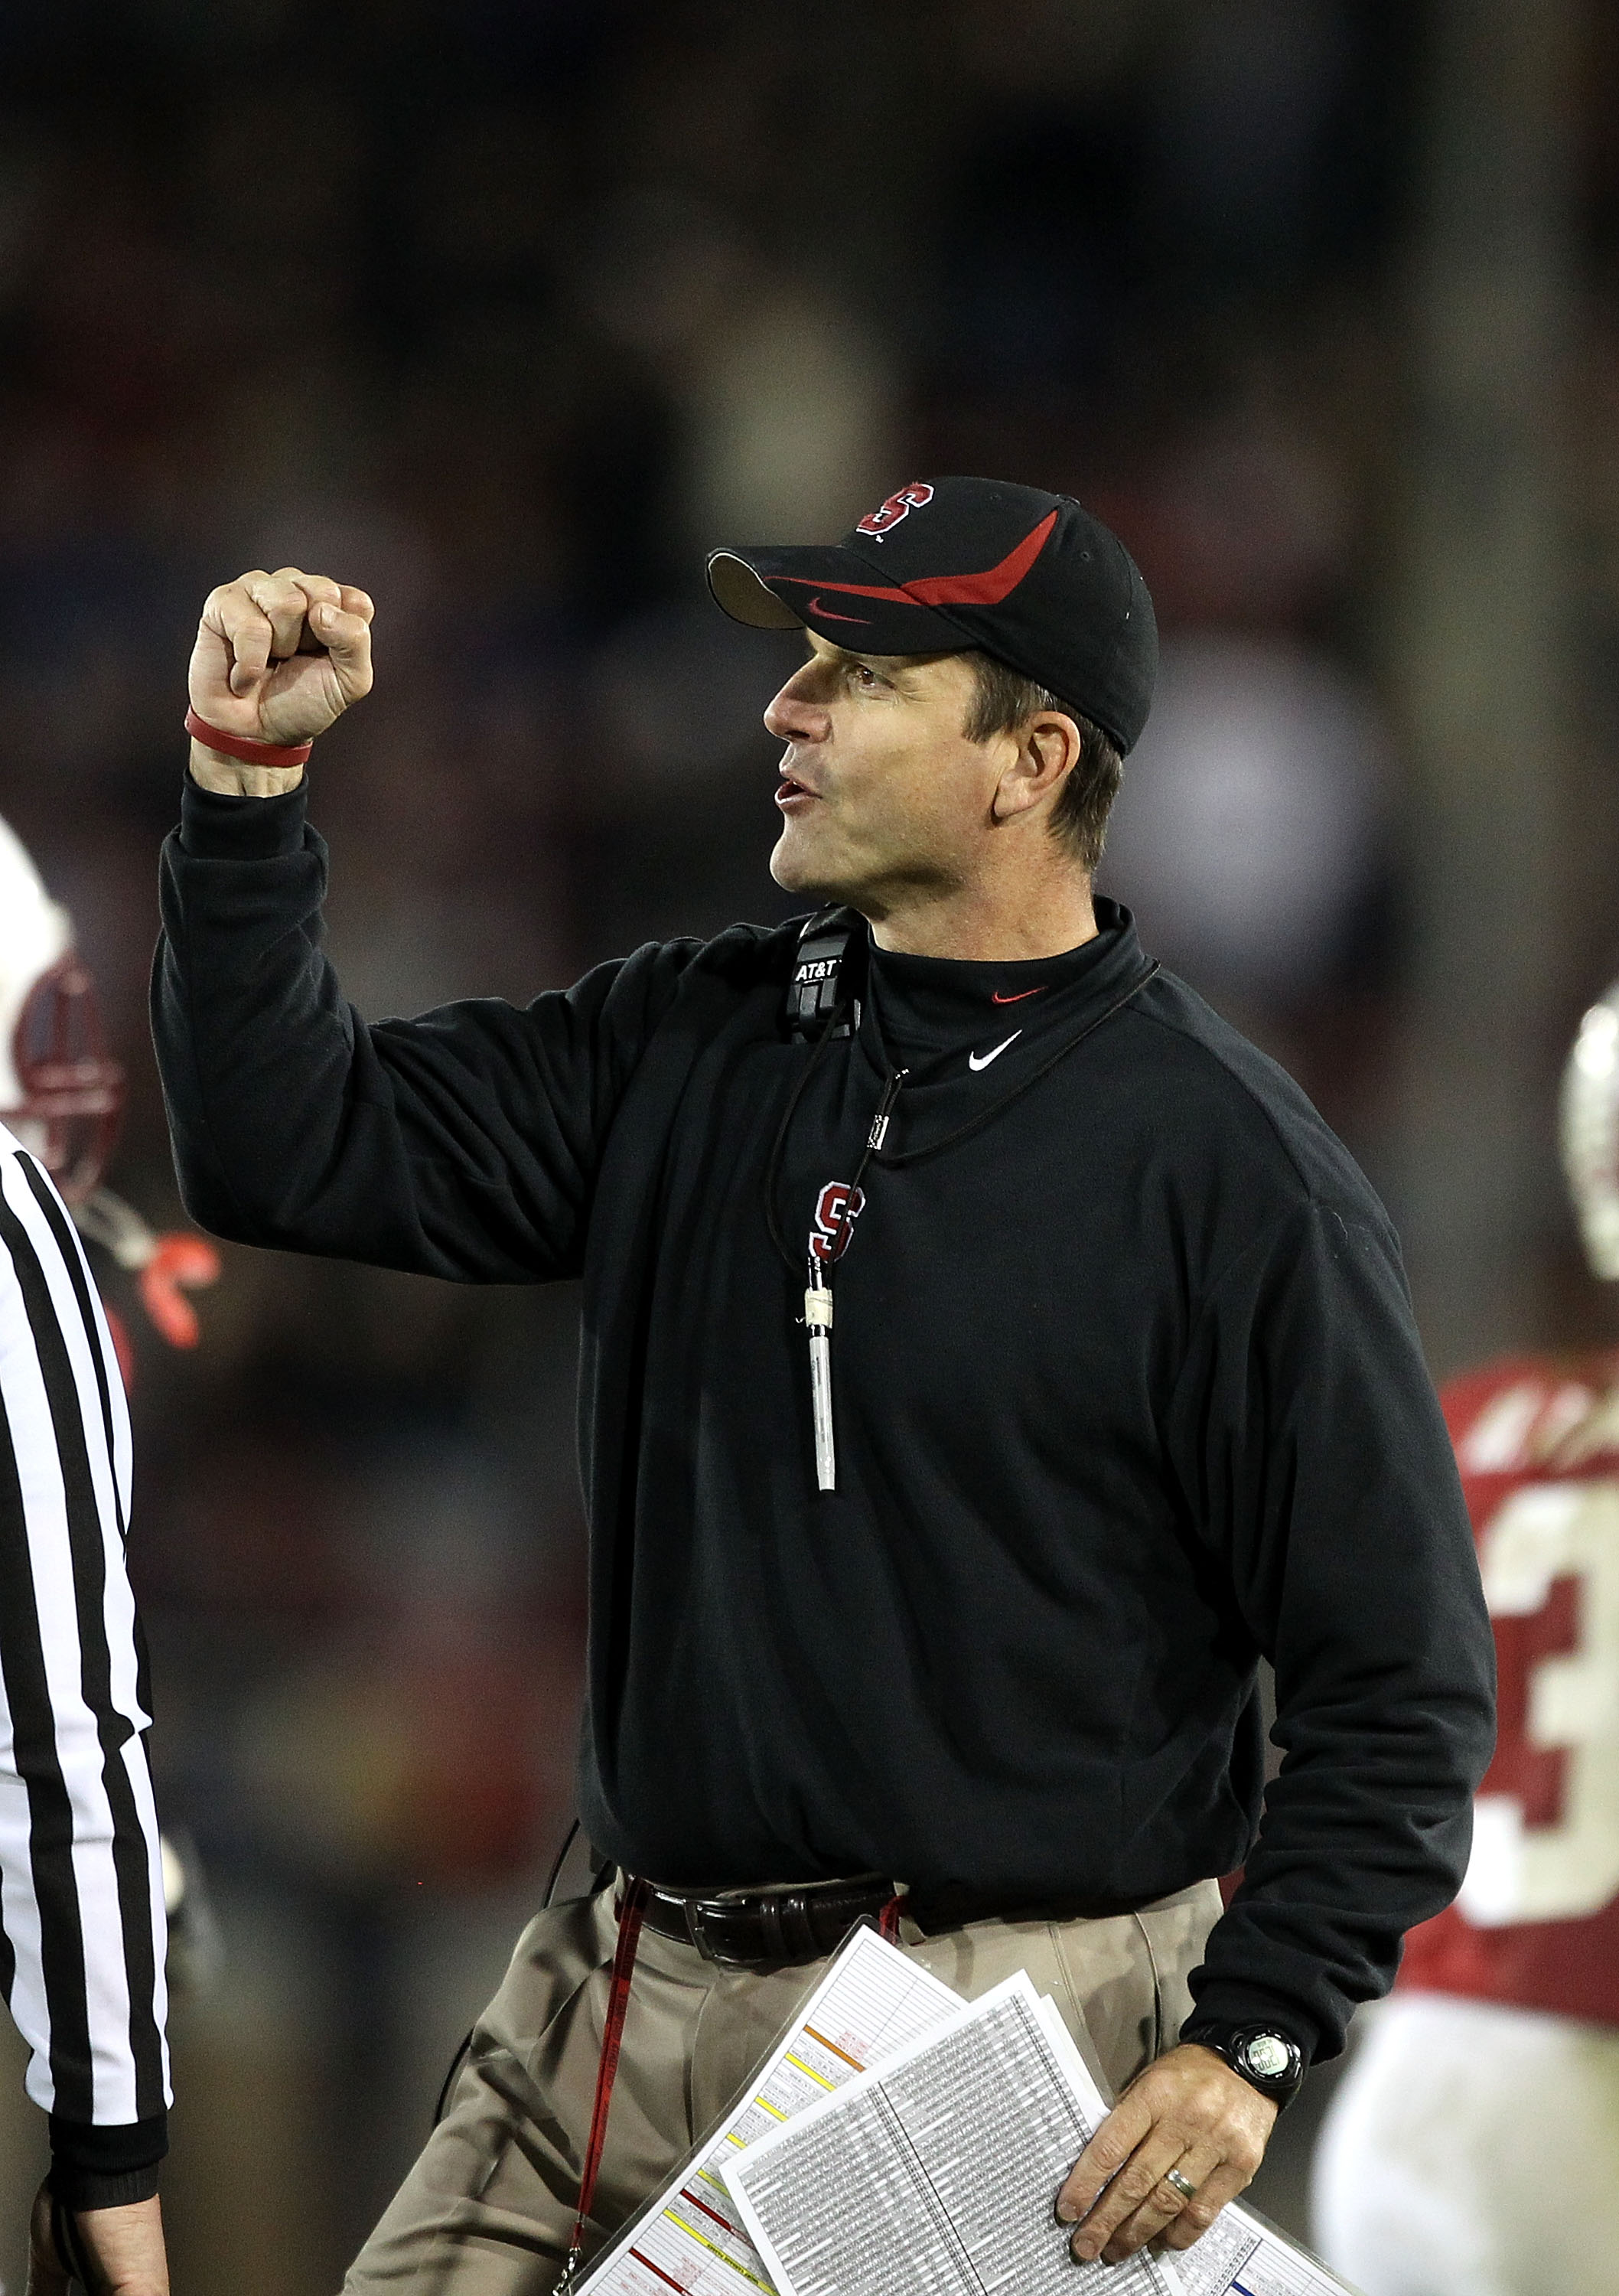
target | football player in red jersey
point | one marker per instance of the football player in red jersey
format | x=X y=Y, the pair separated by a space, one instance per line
x=1473 y=2149
x=61 y=1094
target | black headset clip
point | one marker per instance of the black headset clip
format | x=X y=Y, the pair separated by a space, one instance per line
x=831 y=945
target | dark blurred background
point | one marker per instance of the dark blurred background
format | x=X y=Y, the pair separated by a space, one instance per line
x=505 y=310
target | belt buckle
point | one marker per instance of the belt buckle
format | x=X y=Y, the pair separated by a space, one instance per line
x=697 y=1912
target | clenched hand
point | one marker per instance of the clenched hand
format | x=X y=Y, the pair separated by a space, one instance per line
x=278 y=658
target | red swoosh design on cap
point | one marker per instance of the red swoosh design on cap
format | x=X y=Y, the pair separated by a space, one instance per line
x=826 y=613
x=985 y=589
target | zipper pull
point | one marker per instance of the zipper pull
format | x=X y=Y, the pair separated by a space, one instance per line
x=885 y=1109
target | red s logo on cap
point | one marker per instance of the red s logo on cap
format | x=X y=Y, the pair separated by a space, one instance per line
x=889 y=513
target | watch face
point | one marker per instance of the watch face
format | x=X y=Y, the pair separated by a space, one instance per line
x=1267 y=2056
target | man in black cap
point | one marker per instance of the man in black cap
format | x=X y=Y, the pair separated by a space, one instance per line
x=947 y=1611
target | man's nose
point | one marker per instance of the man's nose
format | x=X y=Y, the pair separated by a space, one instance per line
x=795 y=714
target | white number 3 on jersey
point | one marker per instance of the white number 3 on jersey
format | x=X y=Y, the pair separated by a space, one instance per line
x=1522 y=1873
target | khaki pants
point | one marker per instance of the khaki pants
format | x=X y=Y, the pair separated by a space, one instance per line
x=488 y=2208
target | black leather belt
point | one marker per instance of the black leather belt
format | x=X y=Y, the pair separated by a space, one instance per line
x=769 y=1929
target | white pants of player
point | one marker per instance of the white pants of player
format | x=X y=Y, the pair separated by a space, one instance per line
x=1473 y=2150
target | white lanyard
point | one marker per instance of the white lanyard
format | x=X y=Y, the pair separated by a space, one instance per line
x=818 y=1298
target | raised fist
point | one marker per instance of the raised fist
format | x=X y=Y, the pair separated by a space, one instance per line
x=280 y=656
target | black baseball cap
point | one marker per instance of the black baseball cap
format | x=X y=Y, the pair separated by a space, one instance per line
x=949 y=563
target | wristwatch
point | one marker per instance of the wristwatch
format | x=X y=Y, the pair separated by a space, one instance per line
x=1267 y=2060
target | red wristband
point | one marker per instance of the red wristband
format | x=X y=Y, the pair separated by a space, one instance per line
x=238 y=745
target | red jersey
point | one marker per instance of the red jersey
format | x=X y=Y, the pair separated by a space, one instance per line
x=1536 y=1925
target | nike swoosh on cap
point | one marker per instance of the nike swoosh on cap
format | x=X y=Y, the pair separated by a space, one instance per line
x=983 y=1059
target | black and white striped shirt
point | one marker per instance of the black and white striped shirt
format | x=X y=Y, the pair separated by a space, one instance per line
x=82 y=1926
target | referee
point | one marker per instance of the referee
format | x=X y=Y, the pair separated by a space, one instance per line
x=987 y=1358
x=82 y=1924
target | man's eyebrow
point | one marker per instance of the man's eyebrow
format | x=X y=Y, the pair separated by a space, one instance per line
x=894 y=666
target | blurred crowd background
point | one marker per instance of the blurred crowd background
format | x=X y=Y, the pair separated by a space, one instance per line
x=507 y=309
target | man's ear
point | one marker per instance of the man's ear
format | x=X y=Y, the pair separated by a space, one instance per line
x=1048 y=751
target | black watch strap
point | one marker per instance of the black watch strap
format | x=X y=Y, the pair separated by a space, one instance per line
x=1265 y=2058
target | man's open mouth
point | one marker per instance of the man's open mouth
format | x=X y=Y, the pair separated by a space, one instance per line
x=793 y=792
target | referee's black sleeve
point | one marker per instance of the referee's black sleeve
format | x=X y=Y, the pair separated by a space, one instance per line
x=82 y=1925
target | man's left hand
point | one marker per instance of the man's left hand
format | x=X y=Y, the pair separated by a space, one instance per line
x=1189 y=2111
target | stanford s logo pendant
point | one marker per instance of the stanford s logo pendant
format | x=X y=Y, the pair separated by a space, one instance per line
x=836 y=1209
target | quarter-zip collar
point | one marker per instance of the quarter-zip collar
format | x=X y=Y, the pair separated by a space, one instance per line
x=922 y=1009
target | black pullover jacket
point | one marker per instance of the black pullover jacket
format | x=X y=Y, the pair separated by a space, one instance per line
x=1126 y=1386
